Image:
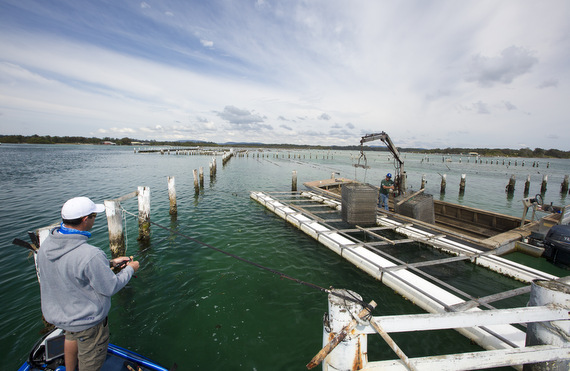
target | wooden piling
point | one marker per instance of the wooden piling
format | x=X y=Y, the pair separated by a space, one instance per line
x=196 y=183
x=462 y=184
x=352 y=354
x=115 y=226
x=172 y=195
x=443 y=184
x=527 y=186
x=213 y=168
x=555 y=294
x=510 y=189
x=544 y=183
x=201 y=177
x=423 y=185
x=294 y=181
x=144 y=213
x=564 y=185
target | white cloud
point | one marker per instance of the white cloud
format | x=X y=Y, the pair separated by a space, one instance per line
x=207 y=43
x=321 y=72
x=512 y=63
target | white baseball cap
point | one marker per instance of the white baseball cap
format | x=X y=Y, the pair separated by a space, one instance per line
x=78 y=207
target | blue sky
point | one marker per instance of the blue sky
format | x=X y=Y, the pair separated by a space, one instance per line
x=429 y=73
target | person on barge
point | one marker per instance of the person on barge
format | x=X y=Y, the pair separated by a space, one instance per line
x=386 y=185
x=77 y=282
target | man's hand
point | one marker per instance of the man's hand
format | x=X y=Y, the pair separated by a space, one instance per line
x=133 y=263
x=120 y=262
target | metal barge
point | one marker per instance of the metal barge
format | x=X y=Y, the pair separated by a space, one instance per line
x=408 y=279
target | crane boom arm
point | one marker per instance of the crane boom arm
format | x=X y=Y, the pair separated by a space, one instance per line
x=386 y=139
x=400 y=179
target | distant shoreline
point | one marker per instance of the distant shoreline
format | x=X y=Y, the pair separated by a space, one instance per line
x=479 y=152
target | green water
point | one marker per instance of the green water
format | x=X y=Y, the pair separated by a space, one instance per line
x=200 y=308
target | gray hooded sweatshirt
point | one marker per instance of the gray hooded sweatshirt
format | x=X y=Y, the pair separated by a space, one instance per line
x=76 y=282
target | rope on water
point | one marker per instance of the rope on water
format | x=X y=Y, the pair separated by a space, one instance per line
x=274 y=271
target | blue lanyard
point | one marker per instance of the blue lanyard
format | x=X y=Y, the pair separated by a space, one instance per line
x=65 y=230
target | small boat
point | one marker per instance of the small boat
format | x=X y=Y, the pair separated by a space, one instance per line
x=47 y=354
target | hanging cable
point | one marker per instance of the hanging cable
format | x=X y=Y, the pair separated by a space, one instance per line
x=276 y=272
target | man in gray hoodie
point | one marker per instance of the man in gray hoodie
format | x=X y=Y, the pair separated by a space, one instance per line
x=77 y=283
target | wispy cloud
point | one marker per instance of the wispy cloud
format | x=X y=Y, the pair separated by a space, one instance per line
x=319 y=72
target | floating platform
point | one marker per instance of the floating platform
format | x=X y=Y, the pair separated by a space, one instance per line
x=428 y=292
x=486 y=229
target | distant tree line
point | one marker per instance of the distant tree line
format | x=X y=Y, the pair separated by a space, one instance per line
x=504 y=152
x=487 y=152
x=47 y=139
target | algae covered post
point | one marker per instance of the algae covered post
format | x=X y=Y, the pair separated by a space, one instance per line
x=144 y=212
x=511 y=186
x=294 y=181
x=115 y=225
x=196 y=184
x=462 y=184
x=564 y=185
x=544 y=184
x=172 y=195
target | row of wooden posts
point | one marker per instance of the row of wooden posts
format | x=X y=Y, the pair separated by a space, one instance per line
x=509 y=189
x=497 y=162
x=239 y=153
x=114 y=210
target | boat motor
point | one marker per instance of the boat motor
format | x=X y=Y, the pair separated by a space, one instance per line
x=557 y=244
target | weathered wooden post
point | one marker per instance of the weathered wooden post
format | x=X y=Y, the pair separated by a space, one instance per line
x=564 y=185
x=172 y=195
x=201 y=177
x=527 y=186
x=115 y=226
x=462 y=184
x=511 y=186
x=213 y=168
x=196 y=183
x=544 y=183
x=351 y=351
x=423 y=185
x=144 y=213
x=555 y=333
x=294 y=181
x=443 y=184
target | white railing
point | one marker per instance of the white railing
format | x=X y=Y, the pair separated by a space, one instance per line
x=547 y=337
